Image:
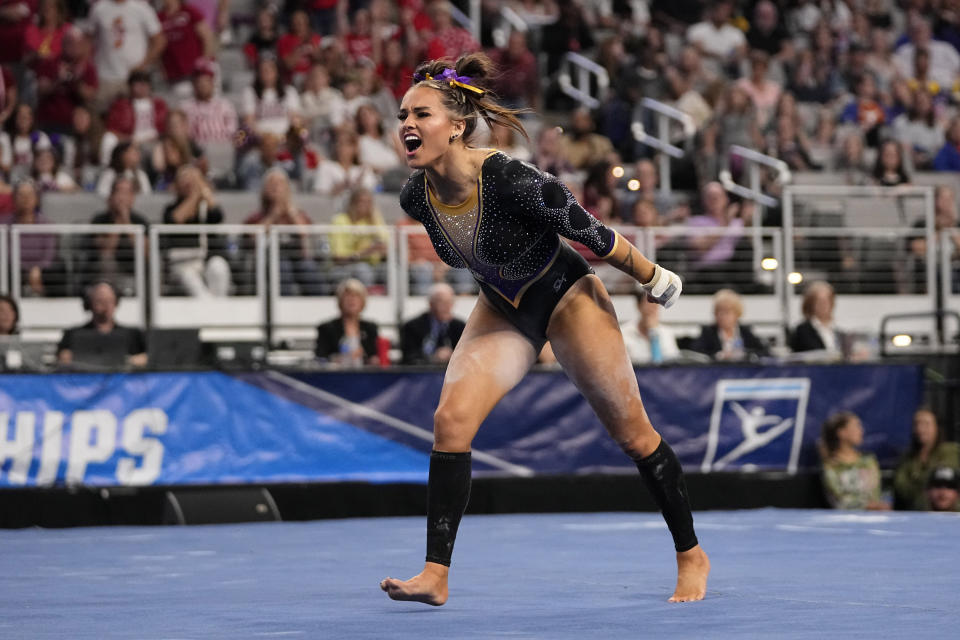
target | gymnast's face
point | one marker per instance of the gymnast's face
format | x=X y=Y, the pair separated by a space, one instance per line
x=425 y=127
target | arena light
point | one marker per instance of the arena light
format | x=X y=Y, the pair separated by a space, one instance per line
x=617 y=172
x=795 y=277
x=633 y=185
x=901 y=340
x=769 y=264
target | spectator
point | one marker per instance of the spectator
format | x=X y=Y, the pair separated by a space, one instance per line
x=298 y=49
x=48 y=175
x=9 y=316
x=918 y=130
x=449 y=40
x=600 y=193
x=948 y=156
x=928 y=451
x=265 y=156
x=812 y=81
x=374 y=92
x=176 y=149
x=851 y=479
x=865 y=110
x=379 y=149
x=713 y=259
x=81 y=148
x=852 y=159
x=111 y=256
x=9 y=94
x=767 y=32
x=569 y=32
x=348 y=340
x=298 y=270
x=114 y=344
x=943 y=489
x=64 y=83
x=196 y=261
x=818 y=332
x=727 y=339
x=763 y=92
x=736 y=121
x=359 y=243
x=518 y=84
x=944 y=222
x=648 y=341
x=506 y=139
x=124 y=161
x=15 y=19
x=188 y=39
x=359 y=42
x=880 y=57
x=395 y=72
x=18 y=142
x=426 y=267
x=889 y=170
x=43 y=40
x=343 y=172
x=791 y=145
x=211 y=118
x=38 y=251
x=268 y=106
x=128 y=38
x=581 y=147
x=944 y=59
x=263 y=40
x=323 y=105
x=431 y=337
x=139 y=118
x=549 y=152
x=716 y=38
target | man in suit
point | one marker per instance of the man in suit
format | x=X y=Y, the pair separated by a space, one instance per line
x=432 y=336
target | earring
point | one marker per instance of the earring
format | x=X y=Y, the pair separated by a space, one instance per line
x=454 y=137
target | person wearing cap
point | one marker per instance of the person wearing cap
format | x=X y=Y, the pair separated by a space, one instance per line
x=927 y=452
x=943 y=489
x=211 y=117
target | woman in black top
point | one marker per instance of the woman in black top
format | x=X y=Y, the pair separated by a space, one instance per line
x=502 y=219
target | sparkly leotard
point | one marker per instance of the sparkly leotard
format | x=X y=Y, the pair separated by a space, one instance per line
x=507 y=233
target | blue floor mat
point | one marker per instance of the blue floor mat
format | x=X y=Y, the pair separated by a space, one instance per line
x=776 y=574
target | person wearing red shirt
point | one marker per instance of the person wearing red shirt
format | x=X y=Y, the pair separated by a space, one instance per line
x=449 y=40
x=42 y=41
x=189 y=38
x=15 y=17
x=518 y=85
x=139 y=117
x=359 y=41
x=64 y=83
x=298 y=49
x=394 y=71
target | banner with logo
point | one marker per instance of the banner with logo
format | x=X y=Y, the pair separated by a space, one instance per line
x=266 y=427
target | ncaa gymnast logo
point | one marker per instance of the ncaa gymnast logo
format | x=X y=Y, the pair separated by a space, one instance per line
x=757 y=424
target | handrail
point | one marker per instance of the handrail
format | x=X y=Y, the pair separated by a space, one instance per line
x=469 y=22
x=665 y=115
x=514 y=19
x=585 y=68
x=4 y=261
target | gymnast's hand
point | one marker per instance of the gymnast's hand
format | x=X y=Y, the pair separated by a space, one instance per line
x=664 y=288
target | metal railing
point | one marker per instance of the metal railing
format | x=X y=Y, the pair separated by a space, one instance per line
x=666 y=118
x=4 y=261
x=575 y=77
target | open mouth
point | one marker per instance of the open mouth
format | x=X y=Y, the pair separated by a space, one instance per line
x=412 y=142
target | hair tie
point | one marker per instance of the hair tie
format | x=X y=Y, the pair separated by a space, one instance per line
x=451 y=78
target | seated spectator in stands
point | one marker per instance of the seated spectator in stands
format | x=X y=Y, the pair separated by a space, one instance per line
x=65 y=83
x=919 y=131
x=269 y=106
x=343 y=172
x=359 y=41
x=9 y=316
x=323 y=107
x=713 y=259
x=865 y=109
x=944 y=59
x=113 y=345
x=298 y=49
x=431 y=337
x=19 y=141
x=518 y=84
x=600 y=192
x=81 y=150
x=736 y=121
x=449 y=40
x=359 y=255
x=581 y=147
x=717 y=38
x=264 y=38
x=196 y=261
x=851 y=479
x=813 y=82
x=767 y=32
x=851 y=159
x=549 y=153
x=139 y=118
x=665 y=204
x=48 y=175
x=128 y=38
x=948 y=156
x=262 y=158
x=943 y=489
x=211 y=118
x=818 y=332
x=42 y=40
x=426 y=267
x=124 y=161
x=944 y=222
x=928 y=451
x=374 y=92
x=348 y=340
x=763 y=92
x=110 y=256
x=648 y=341
x=727 y=339
x=889 y=170
x=396 y=72
x=188 y=39
x=299 y=273
x=569 y=32
x=380 y=149
x=41 y=273
x=175 y=149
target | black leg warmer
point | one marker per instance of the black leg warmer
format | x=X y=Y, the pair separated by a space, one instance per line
x=448 y=490
x=664 y=478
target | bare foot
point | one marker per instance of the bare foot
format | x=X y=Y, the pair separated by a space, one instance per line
x=693 y=566
x=429 y=586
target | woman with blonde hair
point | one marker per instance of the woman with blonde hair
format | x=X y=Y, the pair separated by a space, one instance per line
x=818 y=332
x=727 y=339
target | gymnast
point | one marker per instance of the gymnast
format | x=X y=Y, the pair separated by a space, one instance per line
x=502 y=219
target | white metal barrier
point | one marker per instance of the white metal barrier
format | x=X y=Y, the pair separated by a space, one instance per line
x=576 y=73
x=4 y=260
x=667 y=118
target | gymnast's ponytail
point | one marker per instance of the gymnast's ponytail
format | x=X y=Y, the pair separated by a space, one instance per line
x=464 y=87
